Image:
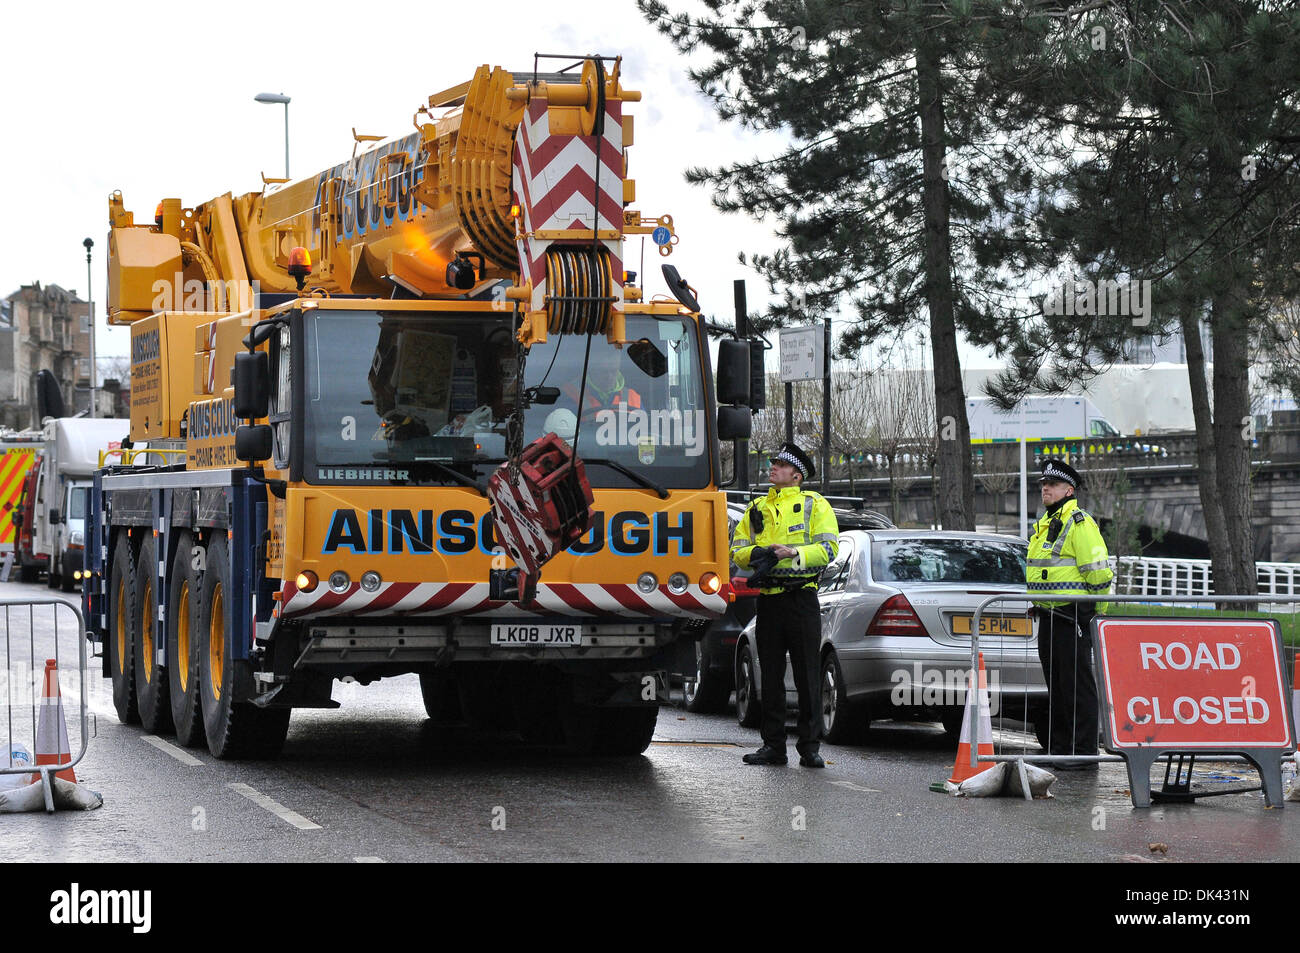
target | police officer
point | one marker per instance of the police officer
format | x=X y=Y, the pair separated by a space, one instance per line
x=1067 y=556
x=787 y=538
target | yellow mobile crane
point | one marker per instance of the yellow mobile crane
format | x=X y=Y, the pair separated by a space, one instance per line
x=349 y=365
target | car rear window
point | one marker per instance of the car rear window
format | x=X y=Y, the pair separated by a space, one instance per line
x=948 y=560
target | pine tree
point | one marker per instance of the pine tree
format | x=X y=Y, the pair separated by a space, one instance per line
x=1183 y=170
x=891 y=198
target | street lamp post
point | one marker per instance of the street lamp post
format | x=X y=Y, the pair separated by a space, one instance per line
x=279 y=98
x=89 y=243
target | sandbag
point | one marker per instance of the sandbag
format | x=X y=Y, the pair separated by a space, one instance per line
x=1040 y=779
x=67 y=797
x=985 y=784
x=1003 y=780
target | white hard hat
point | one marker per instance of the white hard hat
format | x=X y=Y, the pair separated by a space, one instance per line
x=563 y=423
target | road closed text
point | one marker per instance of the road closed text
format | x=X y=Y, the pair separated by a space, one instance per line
x=1185 y=709
x=1206 y=710
x=1179 y=682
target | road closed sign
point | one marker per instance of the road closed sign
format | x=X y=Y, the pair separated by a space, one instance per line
x=1193 y=684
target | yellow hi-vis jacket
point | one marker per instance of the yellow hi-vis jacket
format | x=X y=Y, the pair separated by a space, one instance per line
x=1074 y=564
x=790 y=517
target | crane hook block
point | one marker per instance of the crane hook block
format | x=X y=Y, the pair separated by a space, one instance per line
x=540 y=508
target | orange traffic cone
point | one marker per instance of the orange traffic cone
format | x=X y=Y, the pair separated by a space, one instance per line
x=962 y=768
x=52 y=738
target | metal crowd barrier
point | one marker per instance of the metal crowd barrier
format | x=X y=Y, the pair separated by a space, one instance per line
x=27 y=649
x=1112 y=600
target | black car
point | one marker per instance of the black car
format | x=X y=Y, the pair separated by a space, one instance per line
x=707 y=684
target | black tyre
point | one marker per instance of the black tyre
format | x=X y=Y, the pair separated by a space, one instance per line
x=183 y=645
x=233 y=729
x=52 y=577
x=841 y=722
x=441 y=699
x=67 y=583
x=151 y=692
x=609 y=732
x=539 y=695
x=709 y=691
x=29 y=573
x=485 y=698
x=749 y=712
x=121 y=640
x=624 y=732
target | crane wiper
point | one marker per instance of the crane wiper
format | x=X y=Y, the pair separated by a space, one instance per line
x=456 y=476
x=629 y=473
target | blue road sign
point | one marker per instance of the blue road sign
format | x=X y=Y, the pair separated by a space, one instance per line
x=661 y=235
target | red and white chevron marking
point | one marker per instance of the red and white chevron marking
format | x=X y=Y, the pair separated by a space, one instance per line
x=461 y=598
x=518 y=521
x=555 y=181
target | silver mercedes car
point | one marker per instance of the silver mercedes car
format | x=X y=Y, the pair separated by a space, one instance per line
x=896 y=621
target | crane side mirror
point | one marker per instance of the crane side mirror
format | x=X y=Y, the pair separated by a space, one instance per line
x=252 y=379
x=733 y=372
x=253 y=443
x=734 y=423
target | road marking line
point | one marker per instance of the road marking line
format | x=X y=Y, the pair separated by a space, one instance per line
x=369 y=860
x=275 y=807
x=856 y=787
x=697 y=744
x=184 y=757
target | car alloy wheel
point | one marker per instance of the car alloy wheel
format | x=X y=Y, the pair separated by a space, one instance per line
x=830 y=699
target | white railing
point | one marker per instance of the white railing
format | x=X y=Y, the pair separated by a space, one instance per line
x=1148 y=576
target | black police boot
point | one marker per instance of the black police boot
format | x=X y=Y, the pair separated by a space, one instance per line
x=766 y=755
x=811 y=759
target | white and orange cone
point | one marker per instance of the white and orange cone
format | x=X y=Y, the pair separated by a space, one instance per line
x=51 y=728
x=962 y=768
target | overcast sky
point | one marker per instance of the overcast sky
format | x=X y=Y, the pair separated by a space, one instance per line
x=156 y=99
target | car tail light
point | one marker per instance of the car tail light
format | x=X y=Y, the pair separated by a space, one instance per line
x=740 y=585
x=896 y=617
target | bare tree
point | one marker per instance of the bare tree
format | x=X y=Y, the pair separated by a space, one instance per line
x=901 y=429
x=768 y=431
x=851 y=417
x=116 y=367
x=1107 y=491
x=998 y=471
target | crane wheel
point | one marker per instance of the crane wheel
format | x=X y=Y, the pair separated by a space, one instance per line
x=121 y=641
x=234 y=729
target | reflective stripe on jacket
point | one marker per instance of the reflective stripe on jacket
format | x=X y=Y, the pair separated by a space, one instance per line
x=1074 y=564
x=791 y=517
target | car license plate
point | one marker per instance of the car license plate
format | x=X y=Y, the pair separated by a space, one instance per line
x=994 y=625
x=536 y=635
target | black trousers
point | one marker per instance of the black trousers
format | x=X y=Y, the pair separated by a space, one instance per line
x=1065 y=649
x=790 y=622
